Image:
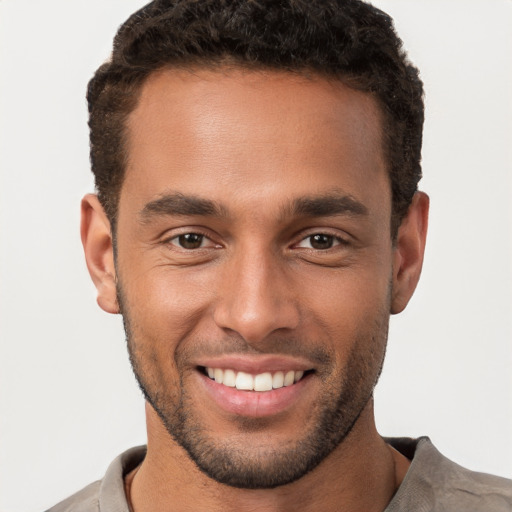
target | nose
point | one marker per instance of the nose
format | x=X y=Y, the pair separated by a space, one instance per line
x=255 y=298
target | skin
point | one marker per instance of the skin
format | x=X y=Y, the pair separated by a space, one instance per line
x=256 y=143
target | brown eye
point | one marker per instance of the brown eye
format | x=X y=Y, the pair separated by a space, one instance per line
x=189 y=240
x=321 y=241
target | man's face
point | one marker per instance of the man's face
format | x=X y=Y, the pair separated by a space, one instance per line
x=253 y=244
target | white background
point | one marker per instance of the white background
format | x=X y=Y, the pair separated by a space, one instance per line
x=68 y=401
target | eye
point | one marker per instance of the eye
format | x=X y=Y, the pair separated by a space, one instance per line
x=319 y=241
x=191 y=241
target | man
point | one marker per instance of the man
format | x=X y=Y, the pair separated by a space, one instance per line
x=257 y=221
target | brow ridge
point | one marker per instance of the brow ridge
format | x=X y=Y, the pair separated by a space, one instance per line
x=178 y=204
x=328 y=205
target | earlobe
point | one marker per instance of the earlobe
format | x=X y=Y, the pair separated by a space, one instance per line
x=409 y=251
x=96 y=236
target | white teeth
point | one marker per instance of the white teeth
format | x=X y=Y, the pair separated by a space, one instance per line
x=262 y=382
x=229 y=378
x=298 y=375
x=278 y=380
x=244 y=381
x=218 y=375
x=289 y=378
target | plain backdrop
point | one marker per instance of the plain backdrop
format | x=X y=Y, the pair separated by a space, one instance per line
x=68 y=401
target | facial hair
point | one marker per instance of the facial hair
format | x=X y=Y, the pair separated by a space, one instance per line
x=345 y=393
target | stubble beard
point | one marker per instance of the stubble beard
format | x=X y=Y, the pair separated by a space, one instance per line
x=243 y=465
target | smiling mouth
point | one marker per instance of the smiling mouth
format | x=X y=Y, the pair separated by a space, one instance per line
x=261 y=382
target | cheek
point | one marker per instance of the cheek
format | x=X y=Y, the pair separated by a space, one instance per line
x=167 y=303
x=350 y=308
x=161 y=312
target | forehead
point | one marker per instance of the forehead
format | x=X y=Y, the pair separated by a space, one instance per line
x=210 y=132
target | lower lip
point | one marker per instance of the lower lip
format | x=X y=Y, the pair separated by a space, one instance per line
x=254 y=404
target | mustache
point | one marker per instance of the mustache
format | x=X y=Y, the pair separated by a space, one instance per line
x=236 y=345
x=233 y=344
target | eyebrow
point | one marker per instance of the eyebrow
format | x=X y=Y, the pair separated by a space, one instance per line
x=177 y=204
x=327 y=205
x=181 y=205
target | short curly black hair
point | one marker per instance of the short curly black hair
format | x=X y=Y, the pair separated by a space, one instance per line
x=348 y=40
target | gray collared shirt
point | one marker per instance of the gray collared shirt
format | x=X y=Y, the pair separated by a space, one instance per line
x=433 y=483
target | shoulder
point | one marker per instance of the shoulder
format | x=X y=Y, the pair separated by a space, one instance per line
x=435 y=483
x=86 y=500
x=107 y=494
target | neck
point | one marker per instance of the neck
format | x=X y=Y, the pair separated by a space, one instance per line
x=362 y=474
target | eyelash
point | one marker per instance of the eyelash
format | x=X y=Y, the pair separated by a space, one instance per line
x=330 y=240
x=175 y=240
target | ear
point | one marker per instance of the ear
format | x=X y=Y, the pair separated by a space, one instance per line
x=408 y=252
x=99 y=253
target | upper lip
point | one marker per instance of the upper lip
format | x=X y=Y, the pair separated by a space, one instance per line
x=256 y=364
